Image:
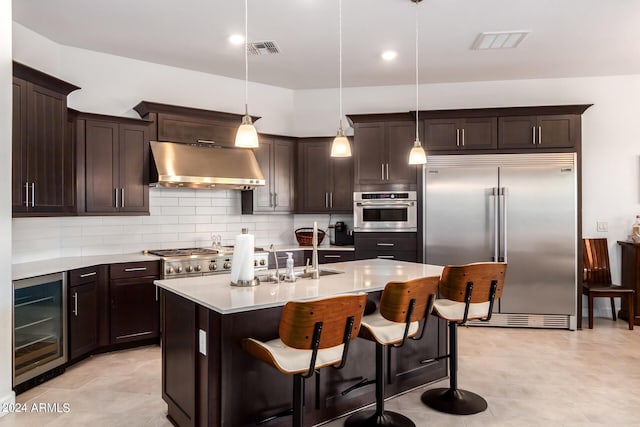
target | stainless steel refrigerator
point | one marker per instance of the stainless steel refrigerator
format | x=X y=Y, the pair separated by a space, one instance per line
x=517 y=208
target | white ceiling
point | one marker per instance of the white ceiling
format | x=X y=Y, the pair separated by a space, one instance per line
x=569 y=38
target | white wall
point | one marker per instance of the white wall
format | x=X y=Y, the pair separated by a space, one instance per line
x=6 y=288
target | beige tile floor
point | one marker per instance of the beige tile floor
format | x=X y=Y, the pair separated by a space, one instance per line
x=529 y=378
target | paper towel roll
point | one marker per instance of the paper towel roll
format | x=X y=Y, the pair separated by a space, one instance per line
x=242 y=260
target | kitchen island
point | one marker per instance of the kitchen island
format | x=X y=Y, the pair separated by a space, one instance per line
x=208 y=380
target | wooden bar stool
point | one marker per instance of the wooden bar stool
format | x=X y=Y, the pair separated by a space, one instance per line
x=467 y=292
x=313 y=334
x=402 y=306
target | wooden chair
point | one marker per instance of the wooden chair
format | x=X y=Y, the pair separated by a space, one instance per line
x=403 y=306
x=597 y=278
x=313 y=334
x=467 y=292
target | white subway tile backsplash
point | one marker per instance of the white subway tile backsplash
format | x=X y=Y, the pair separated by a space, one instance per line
x=194 y=201
x=178 y=210
x=210 y=210
x=195 y=219
x=213 y=227
x=165 y=201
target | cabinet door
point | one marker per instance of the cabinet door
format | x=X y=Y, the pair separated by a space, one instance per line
x=315 y=179
x=102 y=171
x=328 y=256
x=133 y=168
x=517 y=132
x=263 y=196
x=283 y=175
x=49 y=151
x=134 y=310
x=561 y=131
x=178 y=128
x=399 y=140
x=369 y=153
x=83 y=319
x=441 y=134
x=19 y=146
x=341 y=197
x=479 y=133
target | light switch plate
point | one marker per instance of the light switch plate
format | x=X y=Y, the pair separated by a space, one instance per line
x=602 y=226
x=202 y=342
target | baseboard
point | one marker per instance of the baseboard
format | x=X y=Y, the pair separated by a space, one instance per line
x=6 y=401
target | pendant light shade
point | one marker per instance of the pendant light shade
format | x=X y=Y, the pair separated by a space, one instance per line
x=417 y=156
x=340 y=146
x=246 y=137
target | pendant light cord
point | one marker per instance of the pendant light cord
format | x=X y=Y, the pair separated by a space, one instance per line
x=340 y=49
x=417 y=82
x=246 y=57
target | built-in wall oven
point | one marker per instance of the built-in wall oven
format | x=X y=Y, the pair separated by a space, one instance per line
x=385 y=211
x=39 y=326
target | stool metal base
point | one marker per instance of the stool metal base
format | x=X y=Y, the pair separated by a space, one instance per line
x=371 y=418
x=457 y=402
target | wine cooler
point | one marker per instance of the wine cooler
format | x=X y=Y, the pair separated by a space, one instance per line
x=39 y=326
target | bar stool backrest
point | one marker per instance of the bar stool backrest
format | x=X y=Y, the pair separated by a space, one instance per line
x=299 y=319
x=454 y=279
x=397 y=295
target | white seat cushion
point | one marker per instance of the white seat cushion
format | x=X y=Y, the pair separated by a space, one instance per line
x=292 y=360
x=385 y=331
x=454 y=310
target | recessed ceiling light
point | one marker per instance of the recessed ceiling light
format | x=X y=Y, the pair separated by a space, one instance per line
x=389 y=55
x=236 y=39
x=498 y=40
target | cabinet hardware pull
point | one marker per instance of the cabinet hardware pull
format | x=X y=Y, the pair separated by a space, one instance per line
x=457 y=137
x=533 y=135
x=270 y=200
x=122 y=197
x=385 y=256
x=463 y=137
x=26 y=197
x=75 y=304
x=387 y=171
x=382 y=170
x=332 y=256
x=539 y=135
x=93 y=273
x=135 y=269
x=33 y=194
x=386 y=244
x=326 y=200
x=331 y=200
x=115 y=190
x=206 y=141
x=156 y=293
x=275 y=200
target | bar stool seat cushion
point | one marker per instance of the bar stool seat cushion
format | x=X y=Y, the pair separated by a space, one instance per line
x=291 y=360
x=454 y=310
x=376 y=328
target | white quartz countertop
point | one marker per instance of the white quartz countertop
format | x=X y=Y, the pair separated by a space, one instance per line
x=55 y=265
x=216 y=293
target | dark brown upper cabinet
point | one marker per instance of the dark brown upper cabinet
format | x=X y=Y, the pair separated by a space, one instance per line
x=381 y=151
x=275 y=156
x=324 y=184
x=539 y=132
x=112 y=164
x=461 y=134
x=43 y=178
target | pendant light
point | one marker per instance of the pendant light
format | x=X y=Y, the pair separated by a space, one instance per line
x=247 y=137
x=340 y=146
x=417 y=156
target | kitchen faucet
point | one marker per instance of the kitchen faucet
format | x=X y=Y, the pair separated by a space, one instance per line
x=275 y=258
x=314 y=270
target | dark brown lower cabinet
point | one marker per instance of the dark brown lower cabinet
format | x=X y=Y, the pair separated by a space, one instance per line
x=84 y=310
x=134 y=302
x=397 y=246
x=326 y=256
x=209 y=380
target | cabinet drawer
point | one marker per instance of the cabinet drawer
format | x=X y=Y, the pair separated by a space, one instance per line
x=410 y=256
x=84 y=275
x=134 y=269
x=325 y=257
x=385 y=241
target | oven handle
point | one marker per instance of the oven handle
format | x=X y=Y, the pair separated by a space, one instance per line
x=386 y=204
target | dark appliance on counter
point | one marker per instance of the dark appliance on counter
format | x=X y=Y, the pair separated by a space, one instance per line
x=39 y=329
x=189 y=262
x=343 y=237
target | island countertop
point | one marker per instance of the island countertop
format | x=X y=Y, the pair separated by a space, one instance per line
x=216 y=293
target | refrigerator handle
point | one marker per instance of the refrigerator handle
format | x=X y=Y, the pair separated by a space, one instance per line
x=504 y=216
x=494 y=194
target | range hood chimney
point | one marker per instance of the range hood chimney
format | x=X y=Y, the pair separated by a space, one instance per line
x=205 y=166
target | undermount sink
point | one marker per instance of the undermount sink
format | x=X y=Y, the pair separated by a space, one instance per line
x=299 y=275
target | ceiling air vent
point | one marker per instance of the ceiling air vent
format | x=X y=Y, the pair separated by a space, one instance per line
x=498 y=40
x=269 y=47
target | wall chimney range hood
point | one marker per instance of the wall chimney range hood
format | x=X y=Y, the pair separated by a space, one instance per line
x=205 y=166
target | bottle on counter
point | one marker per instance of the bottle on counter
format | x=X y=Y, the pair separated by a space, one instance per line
x=635 y=230
x=291 y=275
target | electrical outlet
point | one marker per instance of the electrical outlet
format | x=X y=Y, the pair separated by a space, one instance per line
x=602 y=226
